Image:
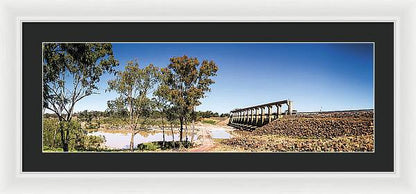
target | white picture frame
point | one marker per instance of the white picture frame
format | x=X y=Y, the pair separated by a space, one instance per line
x=13 y=13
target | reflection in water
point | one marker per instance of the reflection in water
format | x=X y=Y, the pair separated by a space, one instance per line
x=122 y=140
x=220 y=134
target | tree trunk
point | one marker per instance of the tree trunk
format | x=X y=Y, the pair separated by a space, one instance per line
x=163 y=133
x=54 y=138
x=63 y=138
x=193 y=130
x=131 y=120
x=186 y=131
x=67 y=139
x=65 y=147
x=181 y=129
x=173 y=134
x=132 y=141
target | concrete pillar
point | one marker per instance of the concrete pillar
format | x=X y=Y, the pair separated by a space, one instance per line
x=262 y=116
x=233 y=117
x=256 y=116
x=245 y=116
x=248 y=116
x=279 y=111
x=269 y=114
x=241 y=116
x=243 y=119
x=251 y=116
x=289 y=107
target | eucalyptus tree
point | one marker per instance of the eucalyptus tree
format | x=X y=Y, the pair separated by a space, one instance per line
x=134 y=85
x=117 y=108
x=193 y=117
x=163 y=101
x=172 y=116
x=162 y=105
x=187 y=81
x=71 y=72
x=85 y=116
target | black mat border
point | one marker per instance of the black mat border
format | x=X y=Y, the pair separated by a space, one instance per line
x=34 y=33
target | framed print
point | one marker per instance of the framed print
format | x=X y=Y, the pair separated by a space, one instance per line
x=207 y=97
x=267 y=97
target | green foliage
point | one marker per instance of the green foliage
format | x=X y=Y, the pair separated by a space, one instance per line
x=209 y=121
x=78 y=139
x=151 y=146
x=49 y=115
x=82 y=63
x=90 y=143
x=158 y=145
x=133 y=85
x=51 y=135
x=184 y=82
x=92 y=125
x=71 y=72
x=85 y=116
x=225 y=115
x=117 y=108
x=115 y=121
x=207 y=114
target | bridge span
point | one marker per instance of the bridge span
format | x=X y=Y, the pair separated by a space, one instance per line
x=257 y=116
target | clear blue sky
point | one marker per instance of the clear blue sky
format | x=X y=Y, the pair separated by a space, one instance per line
x=327 y=76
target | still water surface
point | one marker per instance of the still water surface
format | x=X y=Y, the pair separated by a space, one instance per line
x=122 y=140
x=220 y=134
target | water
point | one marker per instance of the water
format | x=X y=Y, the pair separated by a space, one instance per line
x=220 y=134
x=122 y=140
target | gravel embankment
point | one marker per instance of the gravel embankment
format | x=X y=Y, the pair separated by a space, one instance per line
x=348 y=131
x=325 y=125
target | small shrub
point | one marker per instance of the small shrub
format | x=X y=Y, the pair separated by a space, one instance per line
x=151 y=146
x=92 y=125
x=209 y=121
x=79 y=139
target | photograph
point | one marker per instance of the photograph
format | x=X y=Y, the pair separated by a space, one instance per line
x=219 y=97
x=208 y=97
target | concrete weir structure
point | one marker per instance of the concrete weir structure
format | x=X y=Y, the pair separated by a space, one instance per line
x=257 y=116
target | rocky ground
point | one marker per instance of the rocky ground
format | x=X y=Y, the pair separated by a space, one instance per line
x=347 y=131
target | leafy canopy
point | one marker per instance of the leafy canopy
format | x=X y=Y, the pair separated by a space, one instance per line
x=186 y=80
x=71 y=72
x=133 y=85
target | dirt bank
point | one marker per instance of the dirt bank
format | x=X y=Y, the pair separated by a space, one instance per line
x=323 y=125
x=205 y=141
x=348 y=131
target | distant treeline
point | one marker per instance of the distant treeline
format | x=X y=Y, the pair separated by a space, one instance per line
x=89 y=115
